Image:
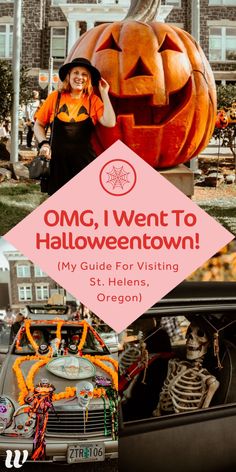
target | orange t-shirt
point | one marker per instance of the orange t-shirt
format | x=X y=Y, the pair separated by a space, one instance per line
x=70 y=109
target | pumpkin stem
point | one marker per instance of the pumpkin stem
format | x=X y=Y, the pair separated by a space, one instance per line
x=143 y=10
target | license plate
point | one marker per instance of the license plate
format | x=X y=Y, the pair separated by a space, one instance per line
x=86 y=452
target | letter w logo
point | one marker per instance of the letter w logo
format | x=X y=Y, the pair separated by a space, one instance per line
x=16 y=461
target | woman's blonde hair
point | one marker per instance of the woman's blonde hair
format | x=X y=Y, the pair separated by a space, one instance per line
x=66 y=87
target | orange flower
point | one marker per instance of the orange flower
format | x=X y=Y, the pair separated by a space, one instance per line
x=29 y=335
x=32 y=372
x=96 y=361
x=28 y=386
x=84 y=335
x=58 y=332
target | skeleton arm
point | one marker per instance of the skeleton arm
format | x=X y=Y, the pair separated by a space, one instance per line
x=212 y=384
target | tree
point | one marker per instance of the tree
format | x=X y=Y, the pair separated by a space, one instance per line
x=6 y=88
x=226 y=95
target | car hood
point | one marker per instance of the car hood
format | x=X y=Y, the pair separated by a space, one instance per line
x=9 y=385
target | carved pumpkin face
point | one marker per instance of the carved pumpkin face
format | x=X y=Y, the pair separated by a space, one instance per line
x=222 y=120
x=161 y=87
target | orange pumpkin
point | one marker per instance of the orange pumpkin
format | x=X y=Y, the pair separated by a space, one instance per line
x=161 y=86
x=222 y=120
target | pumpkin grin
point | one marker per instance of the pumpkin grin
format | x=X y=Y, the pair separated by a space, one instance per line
x=151 y=114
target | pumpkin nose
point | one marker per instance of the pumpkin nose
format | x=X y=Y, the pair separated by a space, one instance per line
x=139 y=69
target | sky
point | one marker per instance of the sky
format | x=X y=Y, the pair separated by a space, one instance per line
x=5 y=246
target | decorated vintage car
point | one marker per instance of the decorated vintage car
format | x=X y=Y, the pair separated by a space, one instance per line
x=58 y=393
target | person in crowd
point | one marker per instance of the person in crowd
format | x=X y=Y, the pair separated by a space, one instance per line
x=21 y=124
x=72 y=112
x=20 y=317
x=30 y=110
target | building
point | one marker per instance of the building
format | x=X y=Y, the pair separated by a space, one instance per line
x=51 y=27
x=29 y=284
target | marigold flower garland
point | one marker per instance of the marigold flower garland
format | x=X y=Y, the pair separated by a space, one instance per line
x=84 y=335
x=97 y=361
x=20 y=378
x=29 y=336
x=60 y=323
x=69 y=392
x=111 y=360
x=58 y=332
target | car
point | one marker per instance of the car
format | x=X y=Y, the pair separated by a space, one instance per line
x=67 y=366
x=166 y=431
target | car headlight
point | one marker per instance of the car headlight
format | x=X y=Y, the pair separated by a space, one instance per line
x=24 y=421
x=6 y=413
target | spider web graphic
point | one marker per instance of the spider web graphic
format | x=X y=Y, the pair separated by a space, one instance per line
x=118 y=177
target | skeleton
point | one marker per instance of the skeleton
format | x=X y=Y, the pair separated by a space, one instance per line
x=188 y=386
x=130 y=354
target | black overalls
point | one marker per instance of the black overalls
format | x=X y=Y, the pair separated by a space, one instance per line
x=71 y=150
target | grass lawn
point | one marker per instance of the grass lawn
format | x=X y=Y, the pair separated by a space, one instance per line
x=17 y=200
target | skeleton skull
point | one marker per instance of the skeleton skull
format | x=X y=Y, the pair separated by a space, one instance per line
x=197 y=342
x=84 y=392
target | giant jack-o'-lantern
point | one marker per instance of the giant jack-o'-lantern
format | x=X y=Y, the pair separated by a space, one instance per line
x=161 y=86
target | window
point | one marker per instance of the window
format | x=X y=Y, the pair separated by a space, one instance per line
x=24 y=293
x=223 y=2
x=58 y=43
x=6 y=40
x=23 y=271
x=42 y=292
x=222 y=43
x=38 y=272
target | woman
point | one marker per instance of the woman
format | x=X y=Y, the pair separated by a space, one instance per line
x=73 y=113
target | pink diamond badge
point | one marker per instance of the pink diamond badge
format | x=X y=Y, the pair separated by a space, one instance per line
x=118 y=236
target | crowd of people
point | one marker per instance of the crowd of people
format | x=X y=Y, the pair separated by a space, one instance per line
x=27 y=115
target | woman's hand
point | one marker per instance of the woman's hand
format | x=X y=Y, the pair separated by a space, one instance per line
x=103 y=86
x=45 y=151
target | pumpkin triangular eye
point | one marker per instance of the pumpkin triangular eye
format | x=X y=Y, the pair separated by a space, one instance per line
x=110 y=43
x=64 y=109
x=168 y=43
x=139 y=69
x=82 y=111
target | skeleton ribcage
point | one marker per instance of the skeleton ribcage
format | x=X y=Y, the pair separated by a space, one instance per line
x=128 y=357
x=184 y=389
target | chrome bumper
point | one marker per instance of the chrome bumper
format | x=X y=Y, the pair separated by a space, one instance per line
x=56 y=449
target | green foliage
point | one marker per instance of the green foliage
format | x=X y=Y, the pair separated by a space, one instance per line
x=6 y=88
x=226 y=95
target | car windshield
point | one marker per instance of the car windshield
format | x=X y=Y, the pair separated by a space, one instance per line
x=54 y=310
x=45 y=336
